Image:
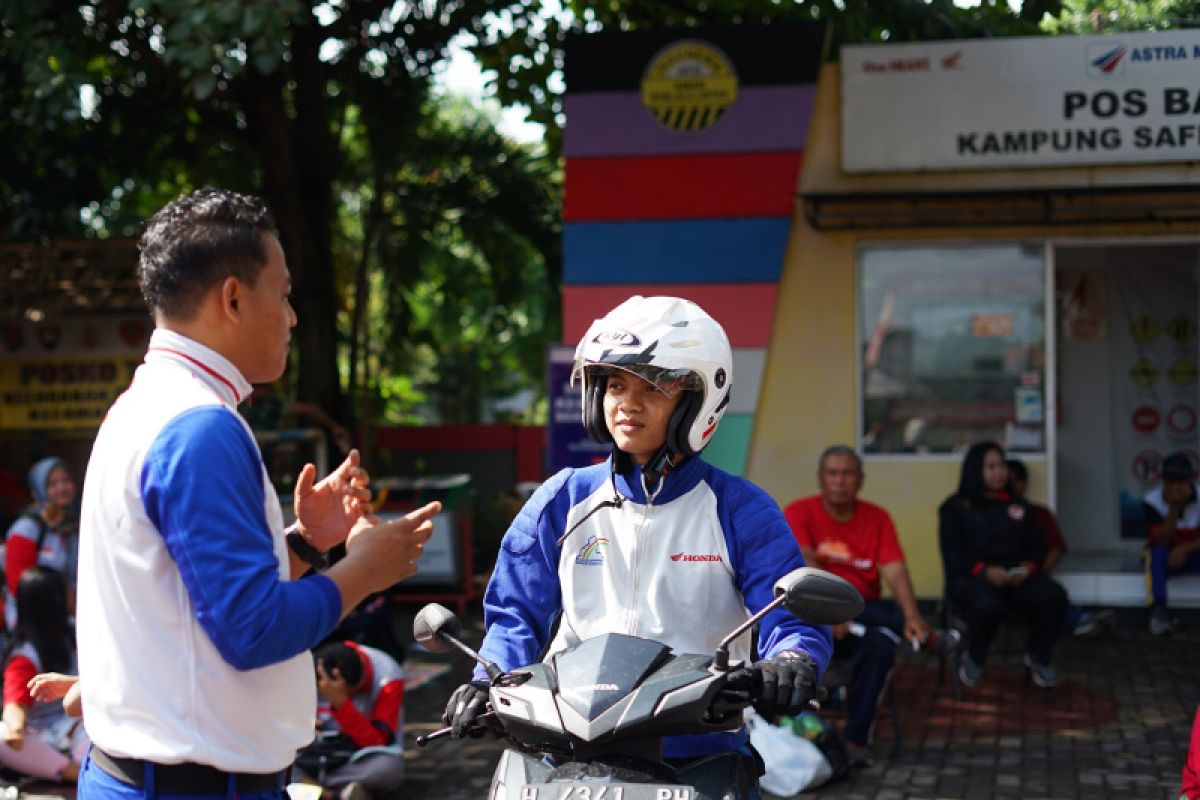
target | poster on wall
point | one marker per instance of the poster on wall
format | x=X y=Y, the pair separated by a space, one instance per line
x=1153 y=330
x=1021 y=101
x=65 y=374
x=568 y=444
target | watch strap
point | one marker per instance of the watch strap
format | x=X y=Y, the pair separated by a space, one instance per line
x=305 y=551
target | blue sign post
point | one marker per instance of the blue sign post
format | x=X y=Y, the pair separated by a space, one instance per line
x=568 y=444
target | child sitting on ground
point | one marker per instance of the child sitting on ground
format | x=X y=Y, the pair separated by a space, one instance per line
x=43 y=642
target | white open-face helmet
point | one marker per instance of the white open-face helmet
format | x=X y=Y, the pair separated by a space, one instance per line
x=673 y=344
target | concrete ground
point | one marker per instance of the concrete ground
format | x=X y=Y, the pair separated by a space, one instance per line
x=1117 y=726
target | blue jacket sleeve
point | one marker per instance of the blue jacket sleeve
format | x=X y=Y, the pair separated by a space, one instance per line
x=202 y=487
x=523 y=597
x=765 y=550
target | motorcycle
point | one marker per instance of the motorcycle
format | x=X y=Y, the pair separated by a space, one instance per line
x=588 y=723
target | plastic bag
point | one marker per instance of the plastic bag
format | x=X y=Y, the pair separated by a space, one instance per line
x=793 y=763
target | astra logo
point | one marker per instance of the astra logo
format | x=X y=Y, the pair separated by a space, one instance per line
x=617 y=338
x=1106 y=60
x=600 y=687
x=695 y=557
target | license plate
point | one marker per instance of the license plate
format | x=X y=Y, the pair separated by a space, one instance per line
x=578 y=790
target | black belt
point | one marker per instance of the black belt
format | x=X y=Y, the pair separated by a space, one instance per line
x=197 y=779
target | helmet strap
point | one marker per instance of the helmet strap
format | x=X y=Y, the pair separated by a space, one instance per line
x=662 y=462
x=656 y=469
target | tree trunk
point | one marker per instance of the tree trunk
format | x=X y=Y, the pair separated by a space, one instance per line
x=298 y=158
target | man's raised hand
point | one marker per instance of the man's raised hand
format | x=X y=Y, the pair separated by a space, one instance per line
x=327 y=510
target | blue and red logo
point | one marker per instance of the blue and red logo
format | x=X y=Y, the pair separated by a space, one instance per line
x=1107 y=59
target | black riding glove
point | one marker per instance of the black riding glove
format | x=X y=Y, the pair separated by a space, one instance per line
x=465 y=706
x=787 y=682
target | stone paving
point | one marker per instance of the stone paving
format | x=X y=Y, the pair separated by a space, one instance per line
x=1116 y=727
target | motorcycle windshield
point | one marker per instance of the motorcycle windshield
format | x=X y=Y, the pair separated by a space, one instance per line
x=595 y=674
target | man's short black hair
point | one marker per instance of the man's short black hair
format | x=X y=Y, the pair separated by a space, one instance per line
x=1178 y=467
x=1017 y=470
x=197 y=241
x=343 y=658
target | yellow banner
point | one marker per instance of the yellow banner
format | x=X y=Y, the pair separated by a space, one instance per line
x=61 y=392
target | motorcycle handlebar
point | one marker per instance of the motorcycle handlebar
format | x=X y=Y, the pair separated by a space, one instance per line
x=481 y=725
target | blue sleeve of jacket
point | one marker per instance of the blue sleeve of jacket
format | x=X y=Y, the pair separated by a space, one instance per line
x=764 y=550
x=202 y=487
x=524 y=597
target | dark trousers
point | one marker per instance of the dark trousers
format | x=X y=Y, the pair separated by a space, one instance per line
x=1039 y=600
x=1157 y=571
x=871 y=657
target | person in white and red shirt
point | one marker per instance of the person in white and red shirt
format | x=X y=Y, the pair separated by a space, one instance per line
x=362 y=696
x=37 y=737
x=195 y=623
x=46 y=533
x=856 y=540
x=1172 y=514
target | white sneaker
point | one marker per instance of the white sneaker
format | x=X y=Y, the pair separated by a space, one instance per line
x=1161 y=622
x=354 y=791
x=969 y=673
x=1087 y=625
x=1043 y=674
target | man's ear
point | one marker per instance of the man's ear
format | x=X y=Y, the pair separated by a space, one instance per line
x=230 y=292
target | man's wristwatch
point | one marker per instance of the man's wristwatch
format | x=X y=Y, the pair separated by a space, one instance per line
x=307 y=553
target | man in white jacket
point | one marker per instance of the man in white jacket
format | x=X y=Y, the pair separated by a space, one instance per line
x=194 y=632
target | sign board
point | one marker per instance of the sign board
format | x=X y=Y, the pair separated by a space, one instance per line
x=437 y=565
x=65 y=374
x=1021 y=102
x=568 y=443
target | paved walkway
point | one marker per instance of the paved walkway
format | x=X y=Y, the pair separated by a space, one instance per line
x=1117 y=726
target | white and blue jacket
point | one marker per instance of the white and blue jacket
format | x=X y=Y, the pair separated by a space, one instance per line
x=193 y=640
x=684 y=569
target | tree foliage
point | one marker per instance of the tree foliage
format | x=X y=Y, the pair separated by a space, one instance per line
x=324 y=109
x=423 y=246
x=1114 y=16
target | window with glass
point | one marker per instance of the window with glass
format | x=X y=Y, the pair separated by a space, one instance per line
x=952 y=343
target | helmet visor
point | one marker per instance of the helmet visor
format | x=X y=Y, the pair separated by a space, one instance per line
x=669 y=382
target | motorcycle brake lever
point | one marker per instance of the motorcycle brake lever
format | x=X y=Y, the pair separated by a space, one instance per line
x=480 y=726
x=729 y=702
x=515 y=678
x=438 y=734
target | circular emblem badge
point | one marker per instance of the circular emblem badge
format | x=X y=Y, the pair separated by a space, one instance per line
x=689 y=85
x=1016 y=512
x=617 y=338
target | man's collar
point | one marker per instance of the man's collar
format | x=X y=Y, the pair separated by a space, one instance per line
x=211 y=367
x=834 y=514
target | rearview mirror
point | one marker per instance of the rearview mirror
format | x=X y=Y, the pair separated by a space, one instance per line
x=431 y=623
x=819 y=597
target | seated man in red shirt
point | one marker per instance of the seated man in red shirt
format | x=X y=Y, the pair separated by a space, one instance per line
x=361 y=699
x=855 y=539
